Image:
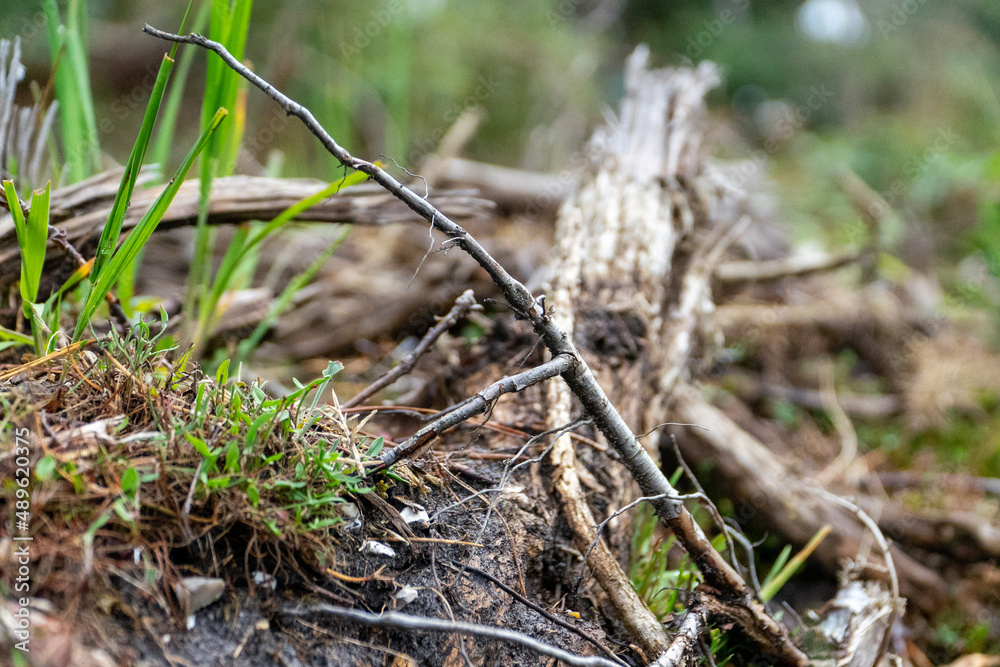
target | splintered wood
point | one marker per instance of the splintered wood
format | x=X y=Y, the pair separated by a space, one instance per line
x=634 y=247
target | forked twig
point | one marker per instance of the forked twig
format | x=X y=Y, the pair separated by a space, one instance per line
x=474 y=406
x=770 y=636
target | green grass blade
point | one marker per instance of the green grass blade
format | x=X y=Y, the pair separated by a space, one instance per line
x=76 y=48
x=770 y=589
x=113 y=227
x=37 y=238
x=282 y=302
x=32 y=236
x=68 y=52
x=143 y=230
x=240 y=247
x=14 y=204
x=228 y=25
x=14 y=337
x=171 y=110
x=298 y=208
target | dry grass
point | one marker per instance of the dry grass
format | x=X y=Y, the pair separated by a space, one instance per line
x=135 y=459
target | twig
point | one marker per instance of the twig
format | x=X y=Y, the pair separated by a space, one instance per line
x=186 y=509
x=841 y=466
x=511 y=466
x=394 y=619
x=476 y=405
x=465 y=303
x=705 y=500
x=614 y=515
x=577 y=374
x=902 y=479
x=751 y=387
x=457 y=136
x=531 y=605
x=787 y=267
x=889 y=565
x=42 y=361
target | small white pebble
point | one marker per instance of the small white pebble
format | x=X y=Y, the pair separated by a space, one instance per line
x=377 y=548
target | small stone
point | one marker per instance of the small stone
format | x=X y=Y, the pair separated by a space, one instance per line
x=377 y=548
x=418 y=516
x=406 y=595
x=199 y=592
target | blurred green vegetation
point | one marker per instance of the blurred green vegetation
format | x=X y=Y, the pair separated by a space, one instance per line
x=909 y=102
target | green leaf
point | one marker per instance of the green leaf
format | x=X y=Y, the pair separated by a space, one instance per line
x=68 y=53
x=222 y=373
x=332 y=368
x=232 y=458
x=130 y=482
x=171 y=110
x=14 y=337
x=253 y=495
x=199 y=445
x=228 y=25
x=46 y=467
x=376 y=446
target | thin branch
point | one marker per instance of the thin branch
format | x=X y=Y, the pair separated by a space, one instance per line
x=614 y=515
x=904 y=479
x=465 y=303
x=774 y=638
x=841 y=466
x=505 y=477
x=394 y=619
x=475 y=405
x=787 y=267
x=510 y=466
x=531 y=605
x=889 y=565
x=706 y=501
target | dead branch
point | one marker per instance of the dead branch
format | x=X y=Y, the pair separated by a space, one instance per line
x=577 y=374
x=82 y=209
x=751 y=387
x=473 y=406
x=776 y=269
x=512 y=189
x=683 y=649
x=846 y=465
x=786 y=502
x=964 y=536
x=454 y=140
x=905 y=479
x=537 y=609
x=395 y=619
x=856 y=621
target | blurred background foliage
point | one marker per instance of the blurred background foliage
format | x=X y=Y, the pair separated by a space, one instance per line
x=903 y=92
x=909 y=87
